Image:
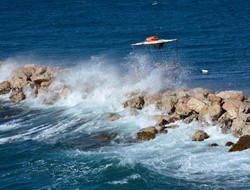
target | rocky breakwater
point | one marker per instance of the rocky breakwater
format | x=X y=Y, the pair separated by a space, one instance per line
x=228 y=109
x=29 y=82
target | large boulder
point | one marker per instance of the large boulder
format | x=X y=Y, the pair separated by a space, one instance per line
x=135 y=102
x=233 y=94
x=242 y=144
x=241 y=125
x=168 y=102
x=232 y=106
x=5 y=87
x=199 y=93
x=181 y=107
x=195 y=105
x=214 y=99
x=200 y=136
x=212 y=112
x=17 y=95
x=154 y=99
x=41 y=75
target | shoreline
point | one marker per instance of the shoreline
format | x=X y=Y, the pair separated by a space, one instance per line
x=230 y=110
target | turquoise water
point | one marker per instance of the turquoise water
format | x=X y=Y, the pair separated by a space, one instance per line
x=61 y=146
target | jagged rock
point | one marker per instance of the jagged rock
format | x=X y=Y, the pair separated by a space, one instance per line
x=154 y=99
x=214 y=99
x=195 y=105
x=242 y=144
x=233 y=94
x=17 y=95
x=229 y=143
x=200 y=136
x=232 y=106
x=113 y=117
x=39 y=78
x=247 y=100
x=225 y=120
x=5 y=87
x=213 y=112
x=168 y=102
x=135 y=102
x=181 y=107
x=161 y=129
x=165 y=119
x=29 y=71
x=146 y=134
x=241 y=125
x=199 y=93
x=190 y=118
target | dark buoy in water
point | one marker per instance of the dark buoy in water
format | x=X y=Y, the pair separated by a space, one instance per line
x=204 y=71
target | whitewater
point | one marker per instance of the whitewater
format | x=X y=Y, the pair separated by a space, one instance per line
x=71 y=145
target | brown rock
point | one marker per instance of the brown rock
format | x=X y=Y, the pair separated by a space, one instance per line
x=168 y=103
x=233 y=94
x=135 y=102
x=39 y=78
x=5 y=87
x=229 y=143
x=17 y=95
x=190 y=118
x=33 y=95
x=181 y=107
x=241 y=125
x=146 y=134
x=242 y=144
x=214 y=98
x=113 y=117
x=200 y=136
x=195 y=105
x=199 y=93
x=232 y=106
x=29 y=70
x=213 y=112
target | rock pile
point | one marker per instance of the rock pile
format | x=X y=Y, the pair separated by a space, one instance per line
x=228 y=109
x=33 y=79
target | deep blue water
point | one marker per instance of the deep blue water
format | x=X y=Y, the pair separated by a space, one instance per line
x=56 y=148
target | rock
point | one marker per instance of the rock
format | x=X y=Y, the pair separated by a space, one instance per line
x=172 y=126
x=146 y=134
x=200 y=136
x=181 y=107
x=199 y=93
x=232 y=106
x=247 y=100
x=214 y=99
x=135 y=102
x=5 y=87
x=241 y=125
x=161 y=129
x=29 y=71
x=154 y=99
x=229 y=143
x=168 y=102
x=105 y=137
x=242 y=144
x=225 y=121
x=233 y=94
x=213 y=112
x=195 y=105
x=113 y=117
x=17 y=95
x=165 y=119
x=190 y=118
x=213 y=144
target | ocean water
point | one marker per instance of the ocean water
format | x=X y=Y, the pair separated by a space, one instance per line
x=64 y=146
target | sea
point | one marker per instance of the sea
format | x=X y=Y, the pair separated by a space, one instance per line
x=70 y=145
